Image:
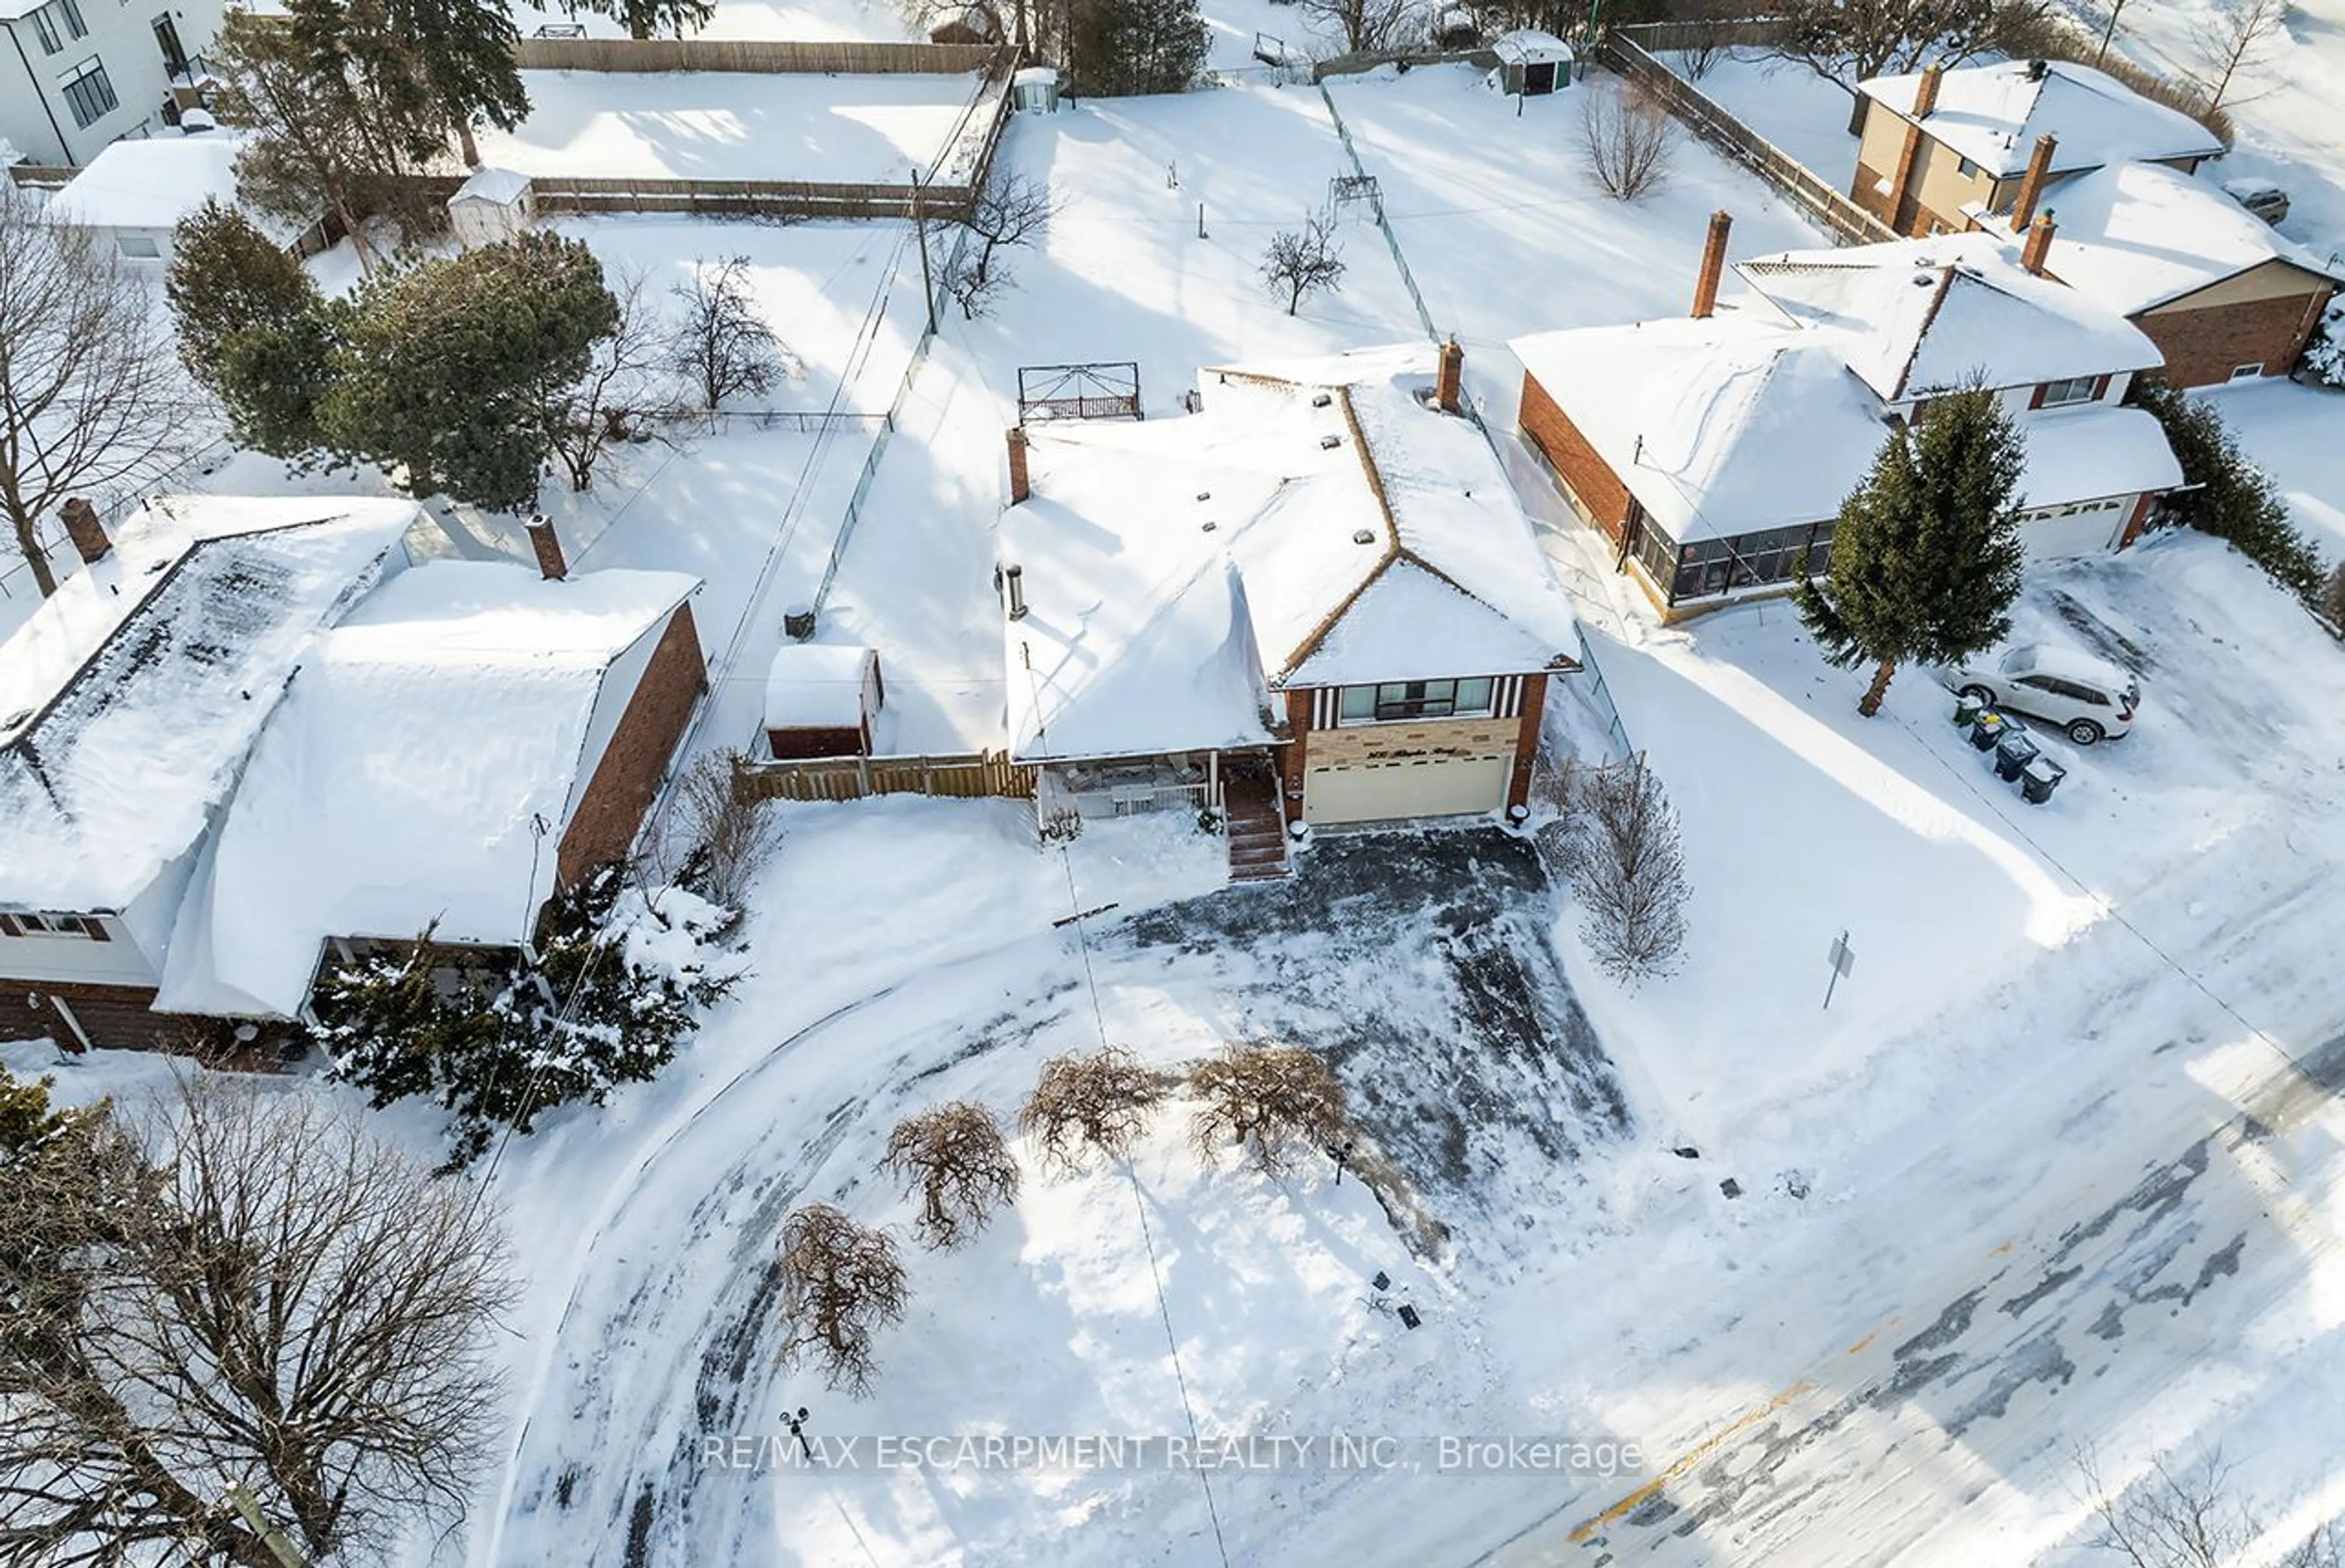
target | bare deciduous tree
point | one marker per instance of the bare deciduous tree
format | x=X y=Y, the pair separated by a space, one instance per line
x=625 y=387
x=1850 y=41
x=841 y=1283
x=1304 y=261
x=2189 y=1518
x=1628 y=140
x=1369 y=26
x=722 y=837
x=1102 y=1101
x=722 y=346
x=2234 y=34
x=954 y=1161
x=1620 y=851
x=1011 y=212
x=92 y=394
x=1264 y=1098
x=242 y=1287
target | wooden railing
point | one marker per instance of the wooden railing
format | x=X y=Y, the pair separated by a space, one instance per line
x=958 y=777
x=845 y=57
x=1703 y=115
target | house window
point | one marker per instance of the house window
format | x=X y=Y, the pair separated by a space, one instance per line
x=137 y=247
x=1964 y=167
x=45 y=923
x=2061 y=394
x=1401 y=700
x=2246 y=372
x=89 y=95
x=167 y=38
x=56 y=22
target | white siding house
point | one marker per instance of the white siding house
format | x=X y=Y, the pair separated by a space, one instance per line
x=76 y=75
x=131 y=197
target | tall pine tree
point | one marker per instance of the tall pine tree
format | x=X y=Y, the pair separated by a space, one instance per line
x=226 y=277
x=1119 y=48
x=2229 y=497
x=650 y=18
x=1925 y=558
x=429 y=67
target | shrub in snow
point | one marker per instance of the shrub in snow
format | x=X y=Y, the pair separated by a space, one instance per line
x=954 y=1161
x=619 y=978
x=2234 y=500
x=723 y=346
x=1627 y=140
x=2324 y=357
x=1618 y=848
x=25 y=1119
x=1925 y=556
x=840 y=1283
x=1300 y=261
x=243 y=1286
x=1266 y=1100
x=728 y=836
x=1115 y=47
x=2175 y=1517
x=1102 y=1101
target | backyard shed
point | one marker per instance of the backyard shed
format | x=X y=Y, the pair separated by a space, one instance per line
x=493 y=205
x=820 y=700
x=1532 y=63
x=1036 y=90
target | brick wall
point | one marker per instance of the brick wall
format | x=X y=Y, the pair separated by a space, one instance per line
x=1290 y=757
x=1527 y=740
x=611 y=807
x=2203 y=346
x=115 y=1018
x=1598 y=490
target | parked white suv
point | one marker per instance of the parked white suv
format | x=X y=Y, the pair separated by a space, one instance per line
x=2088 y=699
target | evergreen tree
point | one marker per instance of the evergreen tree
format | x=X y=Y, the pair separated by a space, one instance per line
x=26 y=1122
x=432 y=67
x=650 y=18
x=442 y=372
x=226 y=277
x=2234 y=500
x=269 y=378
x=1121 y=47
x=1926 y=557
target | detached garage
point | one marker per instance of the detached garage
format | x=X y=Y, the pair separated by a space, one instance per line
x=1532 y=64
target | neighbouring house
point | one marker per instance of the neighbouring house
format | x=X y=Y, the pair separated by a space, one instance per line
x=492 y=206
x=1713 y=451
x=1531 y=63
x=127 y=704
x=131 y=197
x=821 y=700
x=249 y=726
x=472 y=739
x=1315 y=599
x=76 y=75
x=1936 y=144
x=2224 y=295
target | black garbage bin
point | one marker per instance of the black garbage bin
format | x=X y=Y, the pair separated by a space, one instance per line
x=2040 y=778
x=2013 y=752
x=1986 y=729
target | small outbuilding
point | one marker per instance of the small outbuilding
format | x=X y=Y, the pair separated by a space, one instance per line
x=493 y=205
x=967 y=25
x=820 y=700
x=1035 y=90
x=1531 y=63
x=131 y=197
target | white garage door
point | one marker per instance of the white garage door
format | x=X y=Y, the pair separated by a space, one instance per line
x=2088 y=529
x=1381 y=791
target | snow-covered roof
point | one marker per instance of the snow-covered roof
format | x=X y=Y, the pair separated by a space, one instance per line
x=131 y=697
x=817 y=686
x=1722 y=426
x=1529 y=45
x=405 y=778
x=1316 y=524
x=153 y=182
x=2137 y=236
x=1923 y=317
x=2092 y=453
x=1033 y=77
x=1992 y=116
x=502 y=186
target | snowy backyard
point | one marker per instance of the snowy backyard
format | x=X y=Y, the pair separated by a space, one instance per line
x=2060 y=1169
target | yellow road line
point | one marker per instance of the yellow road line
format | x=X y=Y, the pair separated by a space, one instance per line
x=1687 y=1460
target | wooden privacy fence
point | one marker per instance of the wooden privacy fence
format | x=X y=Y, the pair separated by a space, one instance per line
x=961 y=778
x=1701 y=114
x=842 y=57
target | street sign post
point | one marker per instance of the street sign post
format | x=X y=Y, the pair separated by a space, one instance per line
x=1844 y=961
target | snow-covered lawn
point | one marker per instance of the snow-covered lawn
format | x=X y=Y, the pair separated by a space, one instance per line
x=805 y=21
x=2291 y=431
x=1803 y=114
x=607 y=125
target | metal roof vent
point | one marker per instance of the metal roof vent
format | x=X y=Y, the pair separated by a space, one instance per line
x=1211 y=526
x=1322 y=400
x=1365 y=536
x=1329 y=443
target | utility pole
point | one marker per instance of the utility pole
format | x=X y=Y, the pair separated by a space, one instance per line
x=247 y=1507
x=920 y=230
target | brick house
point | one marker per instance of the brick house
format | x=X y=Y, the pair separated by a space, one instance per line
x=2224 y=295
x=1315 y=599
x=1934 y=145
x=254 y=725
x=1713 y=451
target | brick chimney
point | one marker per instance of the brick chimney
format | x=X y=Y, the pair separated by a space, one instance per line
x=1019 y=488
x=88 y=534
x=1714 y=263
x=2039 y=243
x=548 y=545
x=1014 y=579
x=1926 y=91
x=2031 y=184
x=1448 y=387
